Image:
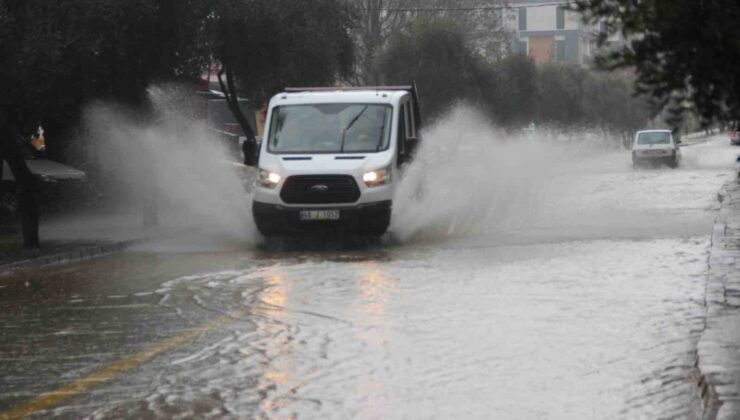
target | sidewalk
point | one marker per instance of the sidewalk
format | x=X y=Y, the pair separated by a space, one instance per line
x=719 y=344
x=52 y=252
x=72 y=240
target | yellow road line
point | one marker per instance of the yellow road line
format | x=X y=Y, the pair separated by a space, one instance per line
x=50 y=399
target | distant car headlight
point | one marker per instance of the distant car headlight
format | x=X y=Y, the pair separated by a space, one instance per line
x=268 y=179
x=377 y=177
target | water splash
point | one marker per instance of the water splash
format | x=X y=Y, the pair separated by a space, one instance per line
x=190 y=169
x=470 y=178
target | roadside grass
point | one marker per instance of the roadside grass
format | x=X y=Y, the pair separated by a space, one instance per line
x=10 y=245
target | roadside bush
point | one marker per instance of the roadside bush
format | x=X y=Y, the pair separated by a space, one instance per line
x=436 y=54
x=513 y=91
x=514 y=101
x=561 y=92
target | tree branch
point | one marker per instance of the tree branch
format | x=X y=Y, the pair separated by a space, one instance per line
x=232 y=101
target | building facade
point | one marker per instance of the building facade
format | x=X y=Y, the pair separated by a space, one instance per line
x=548 y=32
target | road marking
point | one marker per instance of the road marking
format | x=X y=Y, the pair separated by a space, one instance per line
x=49 y=399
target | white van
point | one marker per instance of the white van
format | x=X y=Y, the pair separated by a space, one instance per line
x=655 y=147
x=330 y=158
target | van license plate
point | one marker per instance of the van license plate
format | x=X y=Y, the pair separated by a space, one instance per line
x=307 y=215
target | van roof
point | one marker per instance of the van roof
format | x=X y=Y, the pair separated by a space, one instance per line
x=347 y=88
x=381 y=95
x=655 y=130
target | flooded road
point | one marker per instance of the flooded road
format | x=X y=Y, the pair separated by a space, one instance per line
x=586 y=303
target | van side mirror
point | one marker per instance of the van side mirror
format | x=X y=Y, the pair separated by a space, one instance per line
x=250 y=149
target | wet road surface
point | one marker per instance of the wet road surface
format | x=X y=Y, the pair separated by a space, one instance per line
x=590 y=308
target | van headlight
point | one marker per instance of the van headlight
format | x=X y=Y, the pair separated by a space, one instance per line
x=377 y=177
x=268 y=179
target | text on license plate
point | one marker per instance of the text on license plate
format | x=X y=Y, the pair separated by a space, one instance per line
x=306 y=215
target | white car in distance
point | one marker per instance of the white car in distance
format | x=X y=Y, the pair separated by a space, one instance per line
x=655 y=147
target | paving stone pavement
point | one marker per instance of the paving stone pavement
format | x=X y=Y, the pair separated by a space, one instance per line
x=719 y=345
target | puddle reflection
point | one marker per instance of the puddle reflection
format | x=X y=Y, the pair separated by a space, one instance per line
x=371 y=305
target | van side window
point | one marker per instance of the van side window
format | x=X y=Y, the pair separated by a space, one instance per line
x=412 y=120
x=401 y=132
x=407 y=112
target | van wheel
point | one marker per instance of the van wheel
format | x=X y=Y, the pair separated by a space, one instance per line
x=376 y=223
x=266 y=226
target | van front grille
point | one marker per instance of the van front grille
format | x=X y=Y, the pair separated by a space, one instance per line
x=320 y=189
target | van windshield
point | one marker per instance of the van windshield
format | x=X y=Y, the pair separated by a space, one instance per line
x=657 y=137
x=330 y=128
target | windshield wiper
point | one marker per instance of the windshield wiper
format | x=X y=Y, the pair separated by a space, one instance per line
x=344 y=132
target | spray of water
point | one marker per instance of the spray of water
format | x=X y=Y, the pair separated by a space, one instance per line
x=711 y=155
x=176 y=158
x=471 y=179
x=468 y=178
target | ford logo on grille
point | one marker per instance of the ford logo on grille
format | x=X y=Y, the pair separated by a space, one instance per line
x=320 y=188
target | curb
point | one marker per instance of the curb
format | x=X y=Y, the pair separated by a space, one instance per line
x=75 y=255
x=717 y=372
x=83 y=253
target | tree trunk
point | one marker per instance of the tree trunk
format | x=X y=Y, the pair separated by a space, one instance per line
x=249 y=147
x=373 y=40
x=232 y=100
x=28 y=206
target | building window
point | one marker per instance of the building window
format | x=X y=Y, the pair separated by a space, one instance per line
x=560 y=50
x=522 y=18
x=522 y=46
x=560 y=24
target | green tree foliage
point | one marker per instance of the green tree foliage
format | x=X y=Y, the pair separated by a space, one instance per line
x=574 y=96
x=57 y=55
x=378 y=20
x=608 y=101
x=435 y=54
x=561 y=94
x=514 y=98
x=278 y=43
x=263 y=46
x=680 y=50
x=513 y=90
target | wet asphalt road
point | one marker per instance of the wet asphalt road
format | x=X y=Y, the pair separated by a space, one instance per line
x=588 y=310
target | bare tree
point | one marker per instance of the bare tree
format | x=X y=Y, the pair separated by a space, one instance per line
x=265 y=45
x=379 y=19
x=376 y=19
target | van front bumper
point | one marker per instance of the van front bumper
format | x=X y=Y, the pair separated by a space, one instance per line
x=367 y=218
